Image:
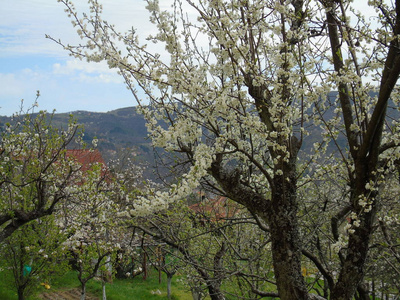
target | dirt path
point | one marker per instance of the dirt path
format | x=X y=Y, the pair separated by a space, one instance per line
x=73 y=294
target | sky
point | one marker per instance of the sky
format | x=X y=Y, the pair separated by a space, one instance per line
x=29 y=62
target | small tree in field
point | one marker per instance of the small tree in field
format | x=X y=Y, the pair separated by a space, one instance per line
x=34 y=254
x=91 y=216
x=239 y=84
x=217 y=250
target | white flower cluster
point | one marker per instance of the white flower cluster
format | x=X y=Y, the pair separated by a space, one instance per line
x=366 y=202
x=341 y=243
x=160 y=200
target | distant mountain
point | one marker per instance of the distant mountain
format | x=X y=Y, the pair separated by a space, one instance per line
x=118 y=131
x=123 y=132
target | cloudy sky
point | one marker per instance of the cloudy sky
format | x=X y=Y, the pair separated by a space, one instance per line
x=30 y=62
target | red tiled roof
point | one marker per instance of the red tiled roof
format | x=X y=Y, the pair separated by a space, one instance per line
x=86 y=157
x=216 y=209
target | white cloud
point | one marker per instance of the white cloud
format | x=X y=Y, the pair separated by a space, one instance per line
x=87 y=72
x=73 y=65
x=63 y=92
x=24 y=24
x=101 y=78
x=15 y=88
x=10 y=85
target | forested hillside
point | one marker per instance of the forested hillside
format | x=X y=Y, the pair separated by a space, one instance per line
x=117 y=131
x=123 y=132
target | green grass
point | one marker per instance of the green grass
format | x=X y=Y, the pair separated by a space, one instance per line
x=6 y=293
x=140 y=289
x=136 y=288
x=127 y=289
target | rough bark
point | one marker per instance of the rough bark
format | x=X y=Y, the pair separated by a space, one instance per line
x=353 y=268
x=286 y=246
x=285 y=239
x=195 y=293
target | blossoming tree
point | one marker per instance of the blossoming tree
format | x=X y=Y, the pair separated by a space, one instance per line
x=92 y=214
x=215 y=250
x=34 y=172
x=34 y=254
x=89 y=216
x=238 y=84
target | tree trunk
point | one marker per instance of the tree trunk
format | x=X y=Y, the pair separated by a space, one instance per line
x=195 y=293
x=83 y=291
x=214 y=291
x=353 y=267
x=169 y=280
x=363 y=292
x=285 y=240
x=159 y=274
x=103 y=286
x=144 y=264
x=280 y=213
x=373 y=289
x=21 y=294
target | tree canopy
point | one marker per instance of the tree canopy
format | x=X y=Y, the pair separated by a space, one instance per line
x=35 y=172
x=237 y=89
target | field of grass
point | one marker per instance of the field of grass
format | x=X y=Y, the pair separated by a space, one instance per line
x=136 y=288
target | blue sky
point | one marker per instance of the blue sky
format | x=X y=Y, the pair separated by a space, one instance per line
x=30 y=62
